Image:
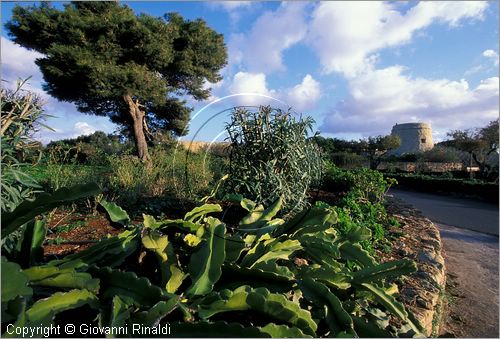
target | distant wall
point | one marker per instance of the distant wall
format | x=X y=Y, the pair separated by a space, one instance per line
x=437 y=167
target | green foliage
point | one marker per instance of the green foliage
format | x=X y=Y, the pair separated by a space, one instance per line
x=240 y=272
x=377 y=147
x=362 y=203
x=22 y=116
x=180 y=175
x=43 y=203
x=93 y=149
x=480 y=143
x=440 y=154
x=271 y=157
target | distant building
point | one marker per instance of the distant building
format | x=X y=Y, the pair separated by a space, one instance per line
x=415 y=137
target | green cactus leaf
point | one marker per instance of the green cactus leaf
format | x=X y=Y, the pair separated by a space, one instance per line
x=234 y=276
x=120 y=313
x=205 y=264
x=129 y=287
x=31 y=250
x=116 y=213
x=270 y=250
x=218 y=329
x=367 y=328
x=183 y=225
x=155 y=314
x=200 y=211
x=391 y=304
x=43 y=311
x=321 y=250
x=275 y=306
x=383 y=271
x=327 y=276
x=234 y=247
x=272 y=267
x=358 y=233
x=156 y=243
x=53 y=276
x=14 y=282
x=107 y=252
x=44 y=202
x=308 y=217
x=336 y=317
x=258 y=216
x=172 y=275
x=150 y=222
x=283 y=331
x=354 y=252
x=247 y=204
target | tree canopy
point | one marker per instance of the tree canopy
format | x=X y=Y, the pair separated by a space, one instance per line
x=478 y=142
x=111 y=62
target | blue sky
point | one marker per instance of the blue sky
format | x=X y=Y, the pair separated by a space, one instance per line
x=356 y=67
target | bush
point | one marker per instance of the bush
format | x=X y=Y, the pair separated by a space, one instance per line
x=440 y=154
x=362 y=204
x=271 y=157
x=22 y=116
x=348 y=160
x=182 y=174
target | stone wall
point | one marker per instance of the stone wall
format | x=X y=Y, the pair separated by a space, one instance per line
x=407 y=166
x=422 y=292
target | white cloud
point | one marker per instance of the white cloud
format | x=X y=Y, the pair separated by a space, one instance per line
x=83 y=128
x=304 y=95
x=301 y=96
x=491 y=54
x=381 y=98
x=251 y=89
x=19 y=62
x=261 y=49
x=230 y=5
x=249 y=83
x=345 y=35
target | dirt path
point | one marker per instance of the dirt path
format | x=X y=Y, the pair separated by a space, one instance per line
x=471 y=261
x=472 y=282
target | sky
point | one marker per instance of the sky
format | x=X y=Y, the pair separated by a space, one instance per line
x=357 y=68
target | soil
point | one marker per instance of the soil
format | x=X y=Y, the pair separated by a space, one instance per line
x=472 y=283
x=82 y=232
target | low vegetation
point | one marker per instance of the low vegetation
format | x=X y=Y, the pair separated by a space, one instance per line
x=264 y=277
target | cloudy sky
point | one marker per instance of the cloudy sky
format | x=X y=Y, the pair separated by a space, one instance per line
x=356 y=67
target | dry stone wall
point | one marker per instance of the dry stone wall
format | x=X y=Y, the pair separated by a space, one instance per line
x=422 y=292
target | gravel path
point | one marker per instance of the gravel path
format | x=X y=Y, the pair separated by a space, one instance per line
x=471 y=260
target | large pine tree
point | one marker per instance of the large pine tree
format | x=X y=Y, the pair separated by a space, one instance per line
x=111 y=62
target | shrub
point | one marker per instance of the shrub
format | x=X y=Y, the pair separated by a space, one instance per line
x=22 y=116
x=440 y=154
x=271 y=157
x=348 y=160
x=182 y=174
x=362 y=204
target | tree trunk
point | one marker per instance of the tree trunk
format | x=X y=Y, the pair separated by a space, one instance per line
x=137 y=116
x=471 y=175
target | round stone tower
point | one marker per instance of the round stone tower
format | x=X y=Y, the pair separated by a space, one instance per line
x=415 y=137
